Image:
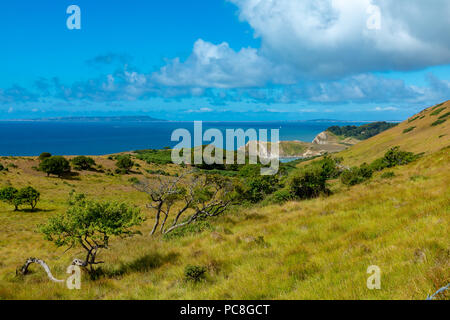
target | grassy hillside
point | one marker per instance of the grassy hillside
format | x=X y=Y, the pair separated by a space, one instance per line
x=428 y=131
x=314 y=249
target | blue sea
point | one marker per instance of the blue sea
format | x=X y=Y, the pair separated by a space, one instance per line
x=31 y=138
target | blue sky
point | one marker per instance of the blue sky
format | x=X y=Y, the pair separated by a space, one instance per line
x=224 y=59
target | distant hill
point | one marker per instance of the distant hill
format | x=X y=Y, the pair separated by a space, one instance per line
x=102 y=119
x=362 y=132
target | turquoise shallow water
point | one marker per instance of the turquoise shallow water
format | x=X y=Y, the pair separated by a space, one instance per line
x=31 y=138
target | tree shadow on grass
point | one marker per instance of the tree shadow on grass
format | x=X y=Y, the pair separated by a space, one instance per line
x=143 y=264
x=36 y=210
x=71 y=176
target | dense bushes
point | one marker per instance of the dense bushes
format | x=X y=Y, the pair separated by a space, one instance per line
x=258 y=187
x=56 y=165
x=308 y=183
x=394 y=157
x=14 y=197
x=83 y=163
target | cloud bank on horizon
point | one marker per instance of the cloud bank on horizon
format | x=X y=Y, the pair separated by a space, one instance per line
x=312 y=53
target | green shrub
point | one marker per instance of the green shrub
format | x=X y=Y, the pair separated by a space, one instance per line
x=413 y=119
x=388 y=175
x=194 y=273
x=258 y=187
x=438 y=111
x=437 y=106
x=438 y=122
x=158 y=172
x=2 y=167
x=309 y=183
x=155 y=156
x=9 y=196
x=394 y=157
x=90 y=224
x=193 y=228
x=83 y=163
x=365 y=171
x=56 y=165
x=409 y=129
x=279 y=197
x=29 y=196
x=352 y=177
x=329 y=166
x=133 y=180
x=44 y=155
x=445 y=115
x=12 y=165
x=124 y=163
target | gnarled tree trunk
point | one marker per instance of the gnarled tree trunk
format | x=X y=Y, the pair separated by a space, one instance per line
x=24 y=269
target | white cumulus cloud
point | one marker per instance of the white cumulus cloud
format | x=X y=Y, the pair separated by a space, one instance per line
x=330 y=38
x=219 y=66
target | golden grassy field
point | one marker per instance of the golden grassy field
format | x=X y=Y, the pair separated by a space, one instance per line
x=315 y=249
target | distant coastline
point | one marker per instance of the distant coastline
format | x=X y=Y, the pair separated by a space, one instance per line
x=151 y=119
x=94 y=119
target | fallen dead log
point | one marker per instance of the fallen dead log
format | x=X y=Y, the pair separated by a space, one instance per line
x=24 y=269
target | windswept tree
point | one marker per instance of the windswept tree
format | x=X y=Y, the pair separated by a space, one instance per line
x=56 y=165
x=83 y=163
x=29 y=196
x=124 y=163
x=187 y=199
x=44 y=155
x=90 y=225
x=9 y=195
